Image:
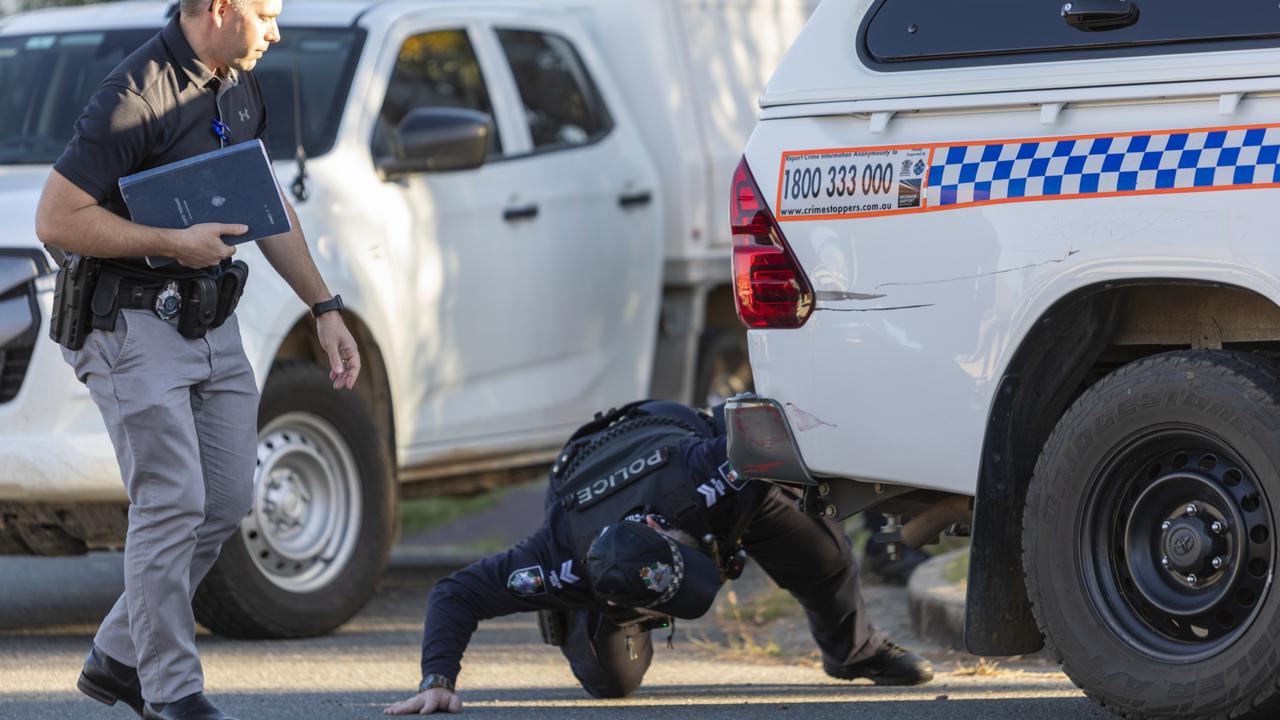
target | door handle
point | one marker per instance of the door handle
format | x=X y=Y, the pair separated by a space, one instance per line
x=636 y=199
x=1100 y=14
x=523 y=212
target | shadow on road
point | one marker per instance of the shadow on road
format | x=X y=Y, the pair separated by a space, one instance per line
x=50 y=607
x=710 y=702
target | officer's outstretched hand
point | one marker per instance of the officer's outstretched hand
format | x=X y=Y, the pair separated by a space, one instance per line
x=344 y=358
x=425 y=703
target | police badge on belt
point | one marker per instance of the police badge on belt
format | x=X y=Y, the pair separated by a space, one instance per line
x=168 y=301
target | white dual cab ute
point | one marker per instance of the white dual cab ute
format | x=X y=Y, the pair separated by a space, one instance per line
x=1012 y=268
x=521 y=204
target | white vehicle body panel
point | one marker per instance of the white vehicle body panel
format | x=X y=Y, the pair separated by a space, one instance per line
x=724 y=51
x=918 y=316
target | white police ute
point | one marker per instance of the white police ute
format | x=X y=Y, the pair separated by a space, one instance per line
x=1011 y=268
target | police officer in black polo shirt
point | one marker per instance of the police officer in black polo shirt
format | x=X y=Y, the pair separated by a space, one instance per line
x=179 y=400
x=644 y=520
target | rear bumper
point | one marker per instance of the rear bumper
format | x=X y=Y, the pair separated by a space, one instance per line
x=761 y=443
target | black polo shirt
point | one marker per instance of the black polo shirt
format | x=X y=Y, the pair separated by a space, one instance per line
x=157 y=107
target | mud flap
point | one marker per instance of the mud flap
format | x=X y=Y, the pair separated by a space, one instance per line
x=998 y=619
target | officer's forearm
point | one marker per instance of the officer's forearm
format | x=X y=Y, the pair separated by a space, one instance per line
x=69 y=219
x=289 y=255
x=447 y=630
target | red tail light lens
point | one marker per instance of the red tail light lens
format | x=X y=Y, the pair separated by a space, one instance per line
x=771 y=290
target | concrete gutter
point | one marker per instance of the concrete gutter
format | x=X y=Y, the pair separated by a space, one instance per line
x=936 y=605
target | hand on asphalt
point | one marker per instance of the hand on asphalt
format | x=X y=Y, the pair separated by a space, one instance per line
x=425 y=703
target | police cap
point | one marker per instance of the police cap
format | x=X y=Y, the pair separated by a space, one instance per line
x=635 y=566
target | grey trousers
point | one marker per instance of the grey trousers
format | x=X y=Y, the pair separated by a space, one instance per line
x=182 y=415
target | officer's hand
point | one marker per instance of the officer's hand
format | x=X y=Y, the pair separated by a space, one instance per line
x=202 y=246
x=425 y=703
x=344 y=358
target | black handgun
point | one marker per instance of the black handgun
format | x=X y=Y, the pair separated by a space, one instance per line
x=72 y=317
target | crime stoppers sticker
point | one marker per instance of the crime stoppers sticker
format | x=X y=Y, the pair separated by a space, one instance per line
x=828 y=184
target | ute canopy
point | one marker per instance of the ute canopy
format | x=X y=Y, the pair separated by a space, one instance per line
x=878 y=49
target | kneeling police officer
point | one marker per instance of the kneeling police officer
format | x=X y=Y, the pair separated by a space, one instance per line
x=644 y=520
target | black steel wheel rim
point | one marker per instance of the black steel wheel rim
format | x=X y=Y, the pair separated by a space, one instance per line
x=1179 y=544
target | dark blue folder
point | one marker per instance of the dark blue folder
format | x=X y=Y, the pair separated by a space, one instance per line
x=232 y=185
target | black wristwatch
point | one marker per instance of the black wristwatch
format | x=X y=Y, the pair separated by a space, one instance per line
x=435 y=680
x=324 y=306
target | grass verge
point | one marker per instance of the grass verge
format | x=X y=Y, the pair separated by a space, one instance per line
x=957 y=571
x=427 y=513
x=747 y=621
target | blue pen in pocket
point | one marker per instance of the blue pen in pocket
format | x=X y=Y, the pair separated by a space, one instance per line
x=223 y=132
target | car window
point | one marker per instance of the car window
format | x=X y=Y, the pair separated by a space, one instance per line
x=323 y=60
x=560 y=100
x=918 y=34
x=46 y=81
x=435 y=69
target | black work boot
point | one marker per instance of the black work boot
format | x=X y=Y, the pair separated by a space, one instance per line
x=192 y=707
x=891 y=665
x=109 y=681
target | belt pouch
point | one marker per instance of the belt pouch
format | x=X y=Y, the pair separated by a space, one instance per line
x=230 y=288
x=554 y=626
x=106 y=301
x=69 y=323
x=199 y=303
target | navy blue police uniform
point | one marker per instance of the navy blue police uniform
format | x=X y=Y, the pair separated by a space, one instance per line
x=609 y=654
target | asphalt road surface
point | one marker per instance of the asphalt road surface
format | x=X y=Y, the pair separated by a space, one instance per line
x=50 y=607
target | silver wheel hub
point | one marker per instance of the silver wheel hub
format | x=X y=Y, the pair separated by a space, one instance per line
x=305 y=521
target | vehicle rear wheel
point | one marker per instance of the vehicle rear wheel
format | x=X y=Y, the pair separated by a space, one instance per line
x=1149 y=537
x=313 y=548
x=724 y=367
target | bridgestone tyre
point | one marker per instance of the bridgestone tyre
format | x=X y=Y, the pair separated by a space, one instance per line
x=313 y=549
x=1149 y=538
x=724 y=367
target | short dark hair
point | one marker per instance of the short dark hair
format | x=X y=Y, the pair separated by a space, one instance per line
x=192 y=8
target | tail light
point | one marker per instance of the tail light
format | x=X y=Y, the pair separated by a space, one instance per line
x=771 y=290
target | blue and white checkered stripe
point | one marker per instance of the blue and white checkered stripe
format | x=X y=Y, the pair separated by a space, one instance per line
x=1064 y=167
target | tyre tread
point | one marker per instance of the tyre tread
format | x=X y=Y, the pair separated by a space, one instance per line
x=1265 y=385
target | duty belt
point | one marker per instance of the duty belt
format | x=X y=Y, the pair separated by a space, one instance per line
x=198 y=303
x=140 y=297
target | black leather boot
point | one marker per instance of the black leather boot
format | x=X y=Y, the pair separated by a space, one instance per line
x=891 y=665
x=192 y=707
x=108 y=681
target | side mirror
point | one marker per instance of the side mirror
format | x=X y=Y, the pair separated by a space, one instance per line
x=438 y=140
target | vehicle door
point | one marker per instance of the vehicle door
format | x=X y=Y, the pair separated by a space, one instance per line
x=594 y=282
x=465 y=245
